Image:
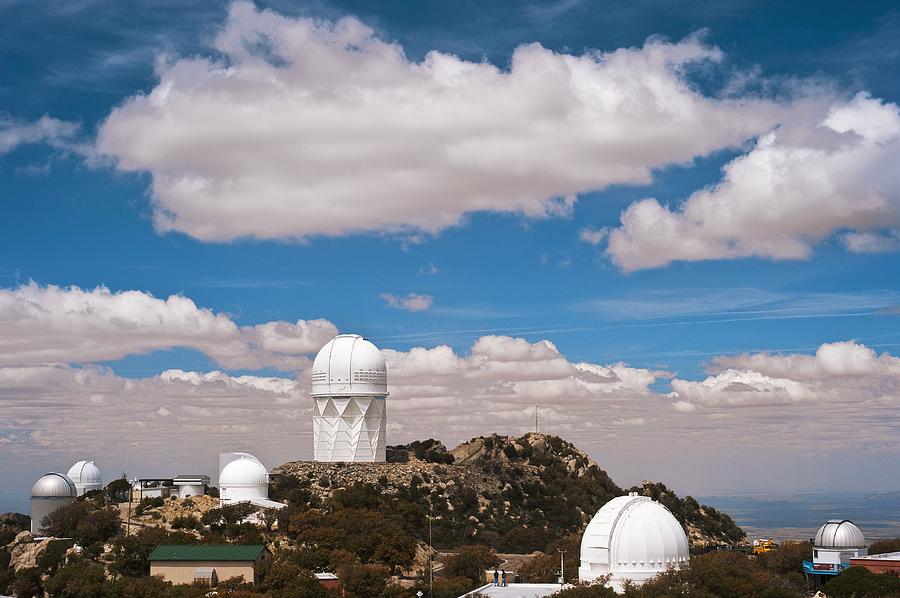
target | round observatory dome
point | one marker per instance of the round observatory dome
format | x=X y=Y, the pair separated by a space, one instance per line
x=349 y=365
x=632 y=538
x=839 y=533
x=86 y=477
x=244 y=478
x=53 y=485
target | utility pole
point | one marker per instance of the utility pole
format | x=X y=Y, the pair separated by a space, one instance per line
x=562 y=566
x=430 y=561
x=535 y=418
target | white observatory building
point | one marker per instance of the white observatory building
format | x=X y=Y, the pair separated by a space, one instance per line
x=632 y=538
x=86 y=477
x=349 y=387
x=243 y=478
x=52 y=491
x=838 y=541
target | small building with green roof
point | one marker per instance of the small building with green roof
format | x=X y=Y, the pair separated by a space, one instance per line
x=205 y=564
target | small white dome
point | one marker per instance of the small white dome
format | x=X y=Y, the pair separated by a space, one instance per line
x=85 y=472
x=839 y=533
x=53 y=485
x=243 y=478
x=244 y=472
x=349 y=365
x=632 y=537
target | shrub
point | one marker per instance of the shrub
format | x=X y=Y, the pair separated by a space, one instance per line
x=118 y=490
x=859 y=582
x=83 y=520
x=53 y=557
x=590 y=591
x=82 y=579
x=882 y=546
x=185 y=522
x=470 y=562
x=363 y=581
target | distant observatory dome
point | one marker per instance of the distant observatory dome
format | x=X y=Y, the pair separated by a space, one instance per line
x=86 y=477
x=839 y=533
x=633 y=538
x=349 y=365
x=50 y=492
x=243 y=478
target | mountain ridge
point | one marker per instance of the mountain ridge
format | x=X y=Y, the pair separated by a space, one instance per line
x=511 y=493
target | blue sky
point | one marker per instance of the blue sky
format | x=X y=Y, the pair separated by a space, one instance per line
x=71 y=220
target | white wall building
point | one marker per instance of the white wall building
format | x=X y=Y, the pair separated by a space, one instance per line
x=52 y=491
x=86 y=477
x=349 y=387
x=633 y=538
x=191 y=485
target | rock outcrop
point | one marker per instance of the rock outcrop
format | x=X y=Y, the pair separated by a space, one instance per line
x=24 y=551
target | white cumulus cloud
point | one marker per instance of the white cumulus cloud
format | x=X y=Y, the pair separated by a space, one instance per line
x=839 y=373
x=412 y=302
x=825 y=169
x=46 y=324
x=52 y=131
x=306 y=127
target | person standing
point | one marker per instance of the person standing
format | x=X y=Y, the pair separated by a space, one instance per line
x=496 y=578
x=503 y=577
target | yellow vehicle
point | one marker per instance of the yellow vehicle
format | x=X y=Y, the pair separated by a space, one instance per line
x=764 y=545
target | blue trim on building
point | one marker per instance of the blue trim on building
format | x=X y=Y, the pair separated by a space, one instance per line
x=835 y=569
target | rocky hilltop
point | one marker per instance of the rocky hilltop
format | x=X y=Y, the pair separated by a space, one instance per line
x=510 y=493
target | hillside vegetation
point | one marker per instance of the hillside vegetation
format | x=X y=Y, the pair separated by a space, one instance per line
x=513 y=494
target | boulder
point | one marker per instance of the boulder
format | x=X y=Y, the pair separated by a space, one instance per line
x=25 y=554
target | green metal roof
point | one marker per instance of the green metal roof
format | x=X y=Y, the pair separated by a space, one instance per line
x=209 y=552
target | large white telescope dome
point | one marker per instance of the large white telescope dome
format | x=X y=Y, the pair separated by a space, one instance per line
x=839 y=533
x=633 y=538
x=86 y=477
x=349 y=365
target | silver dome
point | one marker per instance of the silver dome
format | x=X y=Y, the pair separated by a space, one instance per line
x=54 y=485
x=840 y=533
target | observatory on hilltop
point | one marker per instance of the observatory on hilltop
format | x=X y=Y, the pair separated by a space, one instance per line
x=86 y=477
x=837 y=541
x=349 y=387
x=51 y=492
x=632 y=538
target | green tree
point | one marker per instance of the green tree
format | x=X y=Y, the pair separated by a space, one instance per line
x=787 y=558
x=859 y=582
x=88 y=523
x=886 y=545
x=363 y=581
x=130 y=553
x=589 y=591
x=541 y=568
x=53 y=557
x=27 y=583
x=395 y=550
x=470 y=562
x=717 y=575
x=285 y=579
x=118 y=490
x=81 y=579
